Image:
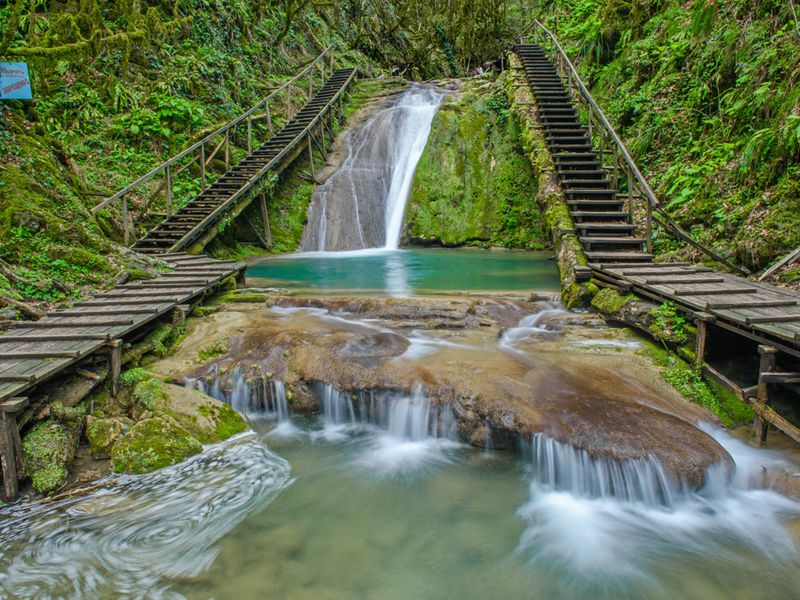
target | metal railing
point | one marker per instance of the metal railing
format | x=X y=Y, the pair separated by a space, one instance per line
x=621 y=166
x=204 y=151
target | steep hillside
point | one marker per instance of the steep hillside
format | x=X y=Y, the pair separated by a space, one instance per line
x=706 y=95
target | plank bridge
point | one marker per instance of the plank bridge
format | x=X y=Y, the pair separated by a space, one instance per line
x=615 y=213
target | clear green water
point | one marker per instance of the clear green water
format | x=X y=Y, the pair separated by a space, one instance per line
x=405 y=272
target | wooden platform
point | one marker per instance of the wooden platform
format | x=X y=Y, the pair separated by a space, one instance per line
x=36 y=351
x=762 y=312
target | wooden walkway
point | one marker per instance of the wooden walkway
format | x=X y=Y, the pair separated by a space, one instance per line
x=766 y=315
x=35 y=351
x=180 y=230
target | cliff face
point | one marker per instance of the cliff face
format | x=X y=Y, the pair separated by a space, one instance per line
x=474 y=184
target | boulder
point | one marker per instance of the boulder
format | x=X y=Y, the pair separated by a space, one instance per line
x=102 y=433
x=152 y=444
x=205 y=418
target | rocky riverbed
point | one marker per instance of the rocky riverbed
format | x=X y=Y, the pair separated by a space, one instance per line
x=507 y=367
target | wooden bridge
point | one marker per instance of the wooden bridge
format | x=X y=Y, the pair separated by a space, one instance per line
x=36 y=352
x=193 y=224
x=605 y=192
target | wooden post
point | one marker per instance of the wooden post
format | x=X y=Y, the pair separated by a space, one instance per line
x=11 y=445
x=767 y=365
x=168 y=189
x=311 y=158
x=288 y=102
x=227 y=149
x=179 y=314
x=203 y=166
x=649 y=226
x=268 y=117
x=703 y=321
x=115 y=360
x=249 y=135
x=262 y=200
x=125 y=216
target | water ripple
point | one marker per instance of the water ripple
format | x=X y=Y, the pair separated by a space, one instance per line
x=135 y=534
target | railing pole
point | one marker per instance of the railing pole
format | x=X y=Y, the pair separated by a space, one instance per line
x=268 y=117
x=227 y=149
x=203 y=166
x=311 y=157
x=649 y=226
x=288 y=102
x=168 y=189
x=249 y=135
x=125 y=233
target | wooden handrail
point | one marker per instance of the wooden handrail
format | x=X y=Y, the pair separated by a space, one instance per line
x=629 y=169
x=225 y=129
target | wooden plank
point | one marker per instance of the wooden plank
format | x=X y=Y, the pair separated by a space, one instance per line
x=143 y=293
x=128 y=302
x=100 y=313
x=17 y=378
x=40 y=354
x=198 y=286
x=665 y=271
x=13 y=405
x=776 y=318
x=748 y=303
x=47 y=324
x=45 y=337
x=698 y=291
x=675 y=279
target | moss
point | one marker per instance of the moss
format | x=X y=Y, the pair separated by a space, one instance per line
x=101 y=434
x=131 y=377
x=228 y=421
x=140 y=275
x=148 y=393
x=473 y=184
x=237 y=296
x=67 y=414
x=47 y=449
x=213 y=351
x=610 y=301
x=153 y=444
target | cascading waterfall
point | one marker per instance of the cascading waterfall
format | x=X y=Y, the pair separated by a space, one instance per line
x=362 y=204
x=261 y=398
x=605 y=521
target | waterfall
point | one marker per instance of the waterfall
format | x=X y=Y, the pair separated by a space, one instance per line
x=362 y=204
x=260 y=398
x=562 y=467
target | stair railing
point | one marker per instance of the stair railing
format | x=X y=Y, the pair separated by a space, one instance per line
x=243 y=128
x=622 y=167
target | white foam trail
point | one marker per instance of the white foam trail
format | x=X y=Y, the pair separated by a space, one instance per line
x=533 y=324
x=600 y=524
x=135 y=534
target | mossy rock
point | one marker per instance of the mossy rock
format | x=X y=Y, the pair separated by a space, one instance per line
x=153 y=444
x=148 y=393
x=610 y=301
x=206 y=418
x=48 y=448
x=101 y=434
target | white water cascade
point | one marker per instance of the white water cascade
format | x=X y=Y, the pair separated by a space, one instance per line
x=262 y=397
x=362 y=204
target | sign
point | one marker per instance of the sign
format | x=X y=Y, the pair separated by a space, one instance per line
x=15 y=84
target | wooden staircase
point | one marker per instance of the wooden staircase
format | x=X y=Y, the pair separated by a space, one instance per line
x=186 y=225
x=604 y=226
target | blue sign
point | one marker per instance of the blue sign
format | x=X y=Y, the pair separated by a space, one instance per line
x=15 y=84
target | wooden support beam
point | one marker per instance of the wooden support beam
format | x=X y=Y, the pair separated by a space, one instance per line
x=767 y=415
x=12 y=378
x=769 y=357
x=780 y=377
x=115 y=365
x=11 y=445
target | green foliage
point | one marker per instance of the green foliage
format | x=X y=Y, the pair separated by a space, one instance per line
x=148 y=393
x=215 y=350
x=705 y=96
x=669 y=324
x=132 y=377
